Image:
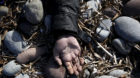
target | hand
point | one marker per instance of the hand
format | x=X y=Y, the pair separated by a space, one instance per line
x=67 y=50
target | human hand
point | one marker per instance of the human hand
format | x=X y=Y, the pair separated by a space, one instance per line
x=67 y=50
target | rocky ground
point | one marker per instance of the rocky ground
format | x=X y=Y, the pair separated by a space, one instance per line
x=111 y=49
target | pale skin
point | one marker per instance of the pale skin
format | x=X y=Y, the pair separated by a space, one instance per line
x=67 y=51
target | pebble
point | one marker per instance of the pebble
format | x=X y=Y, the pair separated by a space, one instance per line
x=121 y=46
x=11 y=68
x=93 y=6
x=110 y=12
x=118 y=73
x=30 y=54
x=34 y=11
x=3 y=11
x=22 y=76
x=28 y=28
x=106 y=76
x=47 y=23
x=102 y=34
x=128 y=28
x=14 y=42
x=132 y=8
x=106 y=24
x=86 y=73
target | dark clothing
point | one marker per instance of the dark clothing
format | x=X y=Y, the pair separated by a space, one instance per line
x=65 y=16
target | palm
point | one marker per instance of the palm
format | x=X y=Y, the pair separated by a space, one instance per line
x=67 y=49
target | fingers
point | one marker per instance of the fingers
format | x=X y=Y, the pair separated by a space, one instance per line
x=75 y=70
x=69 y=67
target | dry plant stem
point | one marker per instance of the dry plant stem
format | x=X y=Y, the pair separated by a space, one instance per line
x=108 y=53
x=7 y=57
x=32 y=36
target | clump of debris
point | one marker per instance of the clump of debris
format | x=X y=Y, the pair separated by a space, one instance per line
x=110 y=40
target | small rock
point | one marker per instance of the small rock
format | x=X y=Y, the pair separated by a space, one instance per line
x=128 y=28
x=11 y=68
x=132 y=8
x=47 y=22
x=93 y=6
x=110 y=12
x=86 y=74
x=106 y=24
x=3 y=11
x=30 y=54
x=117 y=73
x=121 y=46
x=102 y=34
x=106 y=76
x=34 y=11
x=14 y=42
x=22 y=76
x=27 y=28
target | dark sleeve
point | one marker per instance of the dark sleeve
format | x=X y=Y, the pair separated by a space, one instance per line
x=65 y=17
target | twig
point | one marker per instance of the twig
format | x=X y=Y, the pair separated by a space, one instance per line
x=100 y=46
x=7 y=57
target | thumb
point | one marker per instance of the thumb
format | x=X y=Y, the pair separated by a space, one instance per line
x=57 y=58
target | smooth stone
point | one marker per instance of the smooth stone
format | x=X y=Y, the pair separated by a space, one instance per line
x=128 y=28
x=86 y=73
x=34 y=11
x=106 y=76
x=92 y=6
x=47 y=22
x=132 y=8
x=22 y=76
x=118 y=73
x=11 y=68
x=14 y=42
x=110 y=12
x=106 y=24
x=121 y=46
x=3 y=11
x=30 y=54
x=28 y=28
x=102 y=34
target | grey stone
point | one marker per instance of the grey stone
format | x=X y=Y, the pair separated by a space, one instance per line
x=132 y=8
x=34 y=11
x=86 y=74
x=106 y=76
x=106 y=24
x=102 y=34
x=11 y=68
x=128 y=28
x=22 y=76
x=3 y=10
x=47 y=22
x=93 y=6
x=117 y=73
x=14 y=42
x=121 y=46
